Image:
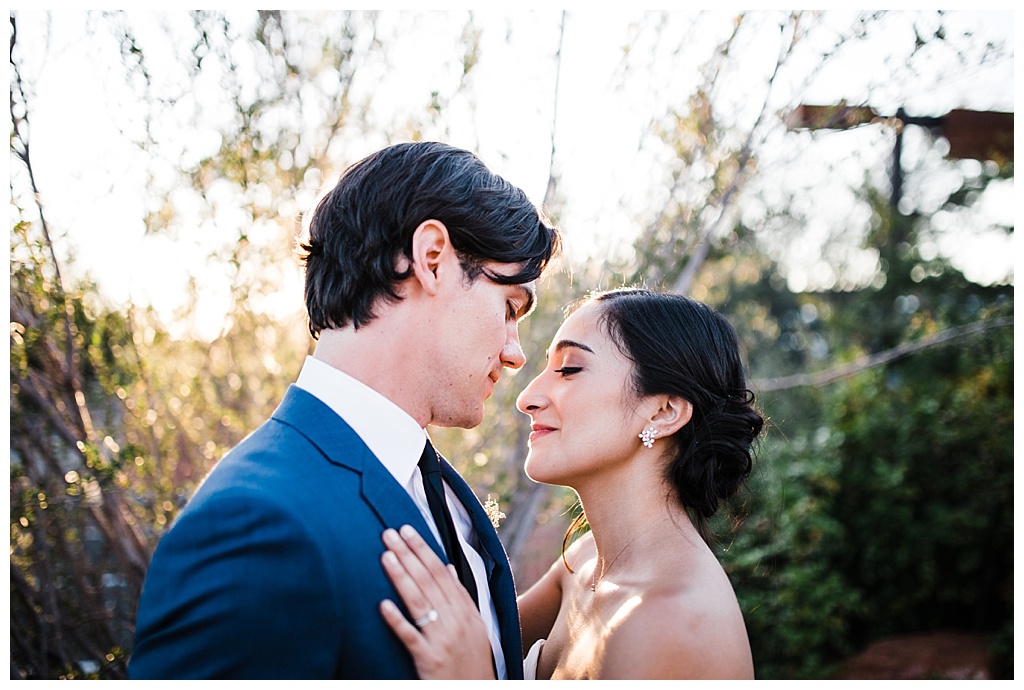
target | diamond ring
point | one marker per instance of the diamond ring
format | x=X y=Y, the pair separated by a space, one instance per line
x=431 y=616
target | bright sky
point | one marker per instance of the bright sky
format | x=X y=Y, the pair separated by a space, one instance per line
x=92 y=178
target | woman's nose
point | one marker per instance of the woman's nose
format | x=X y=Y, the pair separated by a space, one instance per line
x=531 y=398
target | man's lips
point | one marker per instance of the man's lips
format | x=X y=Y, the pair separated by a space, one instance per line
x=494 y=377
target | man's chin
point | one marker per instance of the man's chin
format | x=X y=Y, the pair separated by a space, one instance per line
x=467 y=420
x=472 y=423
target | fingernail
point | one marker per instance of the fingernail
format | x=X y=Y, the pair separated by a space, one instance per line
x=407 y=531
x=390 y=534
x=389 y=558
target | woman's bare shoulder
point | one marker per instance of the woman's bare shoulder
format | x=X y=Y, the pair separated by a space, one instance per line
x=679 y=633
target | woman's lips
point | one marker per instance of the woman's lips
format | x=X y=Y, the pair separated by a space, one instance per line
x=540 y=430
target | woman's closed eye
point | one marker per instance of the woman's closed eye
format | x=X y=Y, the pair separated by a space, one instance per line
x=568 y=371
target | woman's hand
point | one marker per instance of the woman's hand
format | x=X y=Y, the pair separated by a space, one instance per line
x=449 y=639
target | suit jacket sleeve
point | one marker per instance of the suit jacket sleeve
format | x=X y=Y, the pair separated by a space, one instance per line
x=237 y=590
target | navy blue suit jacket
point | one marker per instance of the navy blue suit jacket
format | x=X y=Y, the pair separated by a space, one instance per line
x=273 y=569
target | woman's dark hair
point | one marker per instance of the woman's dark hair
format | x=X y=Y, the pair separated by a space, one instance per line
x=365 y=224
x=679 y=346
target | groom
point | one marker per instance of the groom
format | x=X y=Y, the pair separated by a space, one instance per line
x=419 y=265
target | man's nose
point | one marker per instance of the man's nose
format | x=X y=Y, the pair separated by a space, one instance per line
x=513 y=356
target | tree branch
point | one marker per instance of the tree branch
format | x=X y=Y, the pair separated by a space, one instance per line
x=700 y=253
x=823 y=378
x=551 y=189
x=72 y=364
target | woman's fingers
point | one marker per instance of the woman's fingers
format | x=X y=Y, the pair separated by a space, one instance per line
x=443 y=575
x=446 y=637
x=412 y=582
x=435 y=662
x=402 y=628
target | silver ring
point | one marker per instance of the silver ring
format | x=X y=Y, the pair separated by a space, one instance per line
x=431 y=616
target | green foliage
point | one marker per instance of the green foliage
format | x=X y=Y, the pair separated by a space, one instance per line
x=75 y=568
x=879 y=505
x=883 y=504
x=894 y=516
x=798 y=608
x=927 y=490
x=107 y=444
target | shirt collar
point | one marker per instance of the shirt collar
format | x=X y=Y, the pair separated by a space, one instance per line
x=387 y=430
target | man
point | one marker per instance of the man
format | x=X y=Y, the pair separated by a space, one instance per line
x=419 y=265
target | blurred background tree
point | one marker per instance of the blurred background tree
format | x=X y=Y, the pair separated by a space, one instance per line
x=882 y=501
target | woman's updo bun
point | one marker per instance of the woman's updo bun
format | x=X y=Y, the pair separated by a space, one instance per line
x=679 y=346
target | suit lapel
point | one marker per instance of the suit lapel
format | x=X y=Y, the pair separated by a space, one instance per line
x=499 y=572
x=493 y=550
x=343 y=447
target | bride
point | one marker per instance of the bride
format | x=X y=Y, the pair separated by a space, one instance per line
x=643 y=410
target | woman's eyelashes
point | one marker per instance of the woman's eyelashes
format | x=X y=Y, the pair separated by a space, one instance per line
x=568 y=371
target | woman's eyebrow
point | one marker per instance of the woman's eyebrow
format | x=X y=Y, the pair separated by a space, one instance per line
x=563 y=344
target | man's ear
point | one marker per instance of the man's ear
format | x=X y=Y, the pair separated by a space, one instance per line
x=431 y=249
x=672 y=414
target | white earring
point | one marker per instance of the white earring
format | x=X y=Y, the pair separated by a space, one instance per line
x=647 y=436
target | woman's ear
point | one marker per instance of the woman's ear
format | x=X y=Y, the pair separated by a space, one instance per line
x=672 y=414
x=431 y=248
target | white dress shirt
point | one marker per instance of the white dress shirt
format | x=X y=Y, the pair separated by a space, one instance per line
x=398 y=441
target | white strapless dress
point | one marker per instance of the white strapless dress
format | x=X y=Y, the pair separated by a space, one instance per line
x=530 y=662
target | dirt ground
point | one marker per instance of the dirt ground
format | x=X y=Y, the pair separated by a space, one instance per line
x=939 y=655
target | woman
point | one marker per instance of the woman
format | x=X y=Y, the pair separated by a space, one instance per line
x=643 y=410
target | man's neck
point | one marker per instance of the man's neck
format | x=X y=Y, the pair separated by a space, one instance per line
x=377 y=355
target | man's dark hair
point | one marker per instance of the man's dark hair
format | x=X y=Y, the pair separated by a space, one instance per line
x=365 y=224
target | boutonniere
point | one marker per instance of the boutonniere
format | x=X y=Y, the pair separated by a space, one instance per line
x=491 y=508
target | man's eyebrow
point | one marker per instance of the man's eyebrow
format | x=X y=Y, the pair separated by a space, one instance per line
x=563 y=344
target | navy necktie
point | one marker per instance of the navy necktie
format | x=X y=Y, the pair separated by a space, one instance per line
x=430 y=466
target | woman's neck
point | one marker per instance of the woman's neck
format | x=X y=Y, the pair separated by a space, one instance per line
x=626 y=512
